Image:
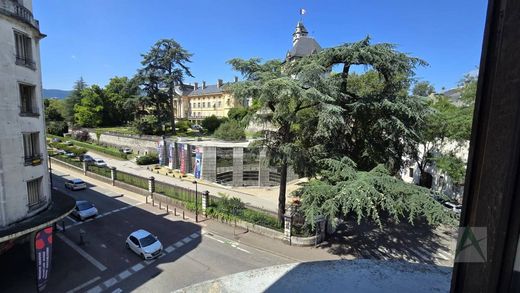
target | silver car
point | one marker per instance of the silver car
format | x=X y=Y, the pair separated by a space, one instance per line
x=144 y=244
x=84 y=210
x=75 y=184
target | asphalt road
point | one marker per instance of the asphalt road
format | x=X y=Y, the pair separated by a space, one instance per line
x=103 y=263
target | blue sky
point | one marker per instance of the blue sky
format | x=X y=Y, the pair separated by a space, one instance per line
x=99 y=39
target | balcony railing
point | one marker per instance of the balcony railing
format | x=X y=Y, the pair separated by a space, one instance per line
x=17 y=10
x=28 y=62
x=33 y=160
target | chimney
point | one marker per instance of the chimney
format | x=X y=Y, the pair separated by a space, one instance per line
x=236 y=78
x=195 y=85
x=219 y=83
x=203 y=84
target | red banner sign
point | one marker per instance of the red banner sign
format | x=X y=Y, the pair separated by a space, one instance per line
x=43 y=251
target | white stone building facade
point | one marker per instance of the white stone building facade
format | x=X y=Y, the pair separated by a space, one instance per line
x=24 y=177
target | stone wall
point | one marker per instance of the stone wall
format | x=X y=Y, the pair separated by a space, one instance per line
x=139 y=145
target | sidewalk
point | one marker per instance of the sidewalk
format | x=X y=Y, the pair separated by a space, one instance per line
x=267 y=202
x=213 y=227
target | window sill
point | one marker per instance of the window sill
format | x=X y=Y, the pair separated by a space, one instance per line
x=35 y=206
x=35 y=161
x=29 y=64
x=29 y=114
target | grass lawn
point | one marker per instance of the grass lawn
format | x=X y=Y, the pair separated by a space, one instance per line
x=119 y=129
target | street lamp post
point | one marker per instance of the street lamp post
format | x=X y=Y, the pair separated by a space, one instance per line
x=50 y=168
x=196 y=203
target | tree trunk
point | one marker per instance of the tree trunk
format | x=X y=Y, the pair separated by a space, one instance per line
x=172 y=118
x=281 y=194
x=344 y=76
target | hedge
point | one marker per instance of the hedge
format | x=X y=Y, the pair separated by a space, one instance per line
x=98 y=148
x=147 y=159
x=72 y=149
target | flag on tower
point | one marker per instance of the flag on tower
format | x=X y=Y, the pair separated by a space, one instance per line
x=302 y=11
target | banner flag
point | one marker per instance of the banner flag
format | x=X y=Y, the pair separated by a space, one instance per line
x=43 y=254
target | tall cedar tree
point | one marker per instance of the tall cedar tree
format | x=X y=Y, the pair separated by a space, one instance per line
x=285 y=104
x=164 y=67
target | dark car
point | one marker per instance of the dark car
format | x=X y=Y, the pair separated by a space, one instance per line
x=86 y=158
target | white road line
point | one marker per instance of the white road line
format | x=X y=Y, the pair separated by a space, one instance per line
x=169 y=249
x=103 y=215
x=195 y=235
x=70 y=218
x=118 y=290
x=110 y=282
x=84 y=285
x=178 y=244
x=241 y=249
x=137 y=267
x=83 y=253
x=211 y=237
x=96 y=289
x=124 y=274
x=186 y=239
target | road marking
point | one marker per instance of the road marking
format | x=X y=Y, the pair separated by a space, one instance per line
x=139 y=266
x=96 y=289
x=195 y=235
x=124 y=274
x=110 y=282
x=241 y=249
x=211 y=237
x=186 y=239
x=83 y=253
x=76 y=223
x=84 y=285
x=118 y=290
x=70 y=218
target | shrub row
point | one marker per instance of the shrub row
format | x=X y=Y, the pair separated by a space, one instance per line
x=103 y=171
x=147 y=159
x=72 y=149
x=102 y=149
x=71 y=161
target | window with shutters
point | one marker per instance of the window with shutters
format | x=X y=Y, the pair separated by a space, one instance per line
x=34 y=192
x=24 y=54
x=31 y=147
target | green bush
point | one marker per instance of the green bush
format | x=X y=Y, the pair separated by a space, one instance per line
x=103 y=171
x=183 y=125
x=147 y=159
x=211 y=123
x=230 y=131
x=57 y=127
x=132 y=179
x=237 y=113
x=148 y=124
x=102 y=149
x=71 y=161
x=71 y=149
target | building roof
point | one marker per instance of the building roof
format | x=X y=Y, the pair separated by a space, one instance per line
x=304 y=46
x=208 y=90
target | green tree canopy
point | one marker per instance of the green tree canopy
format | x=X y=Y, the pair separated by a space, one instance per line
x=343 y=190
x=423 y=89
x=89 y=112
x=164 y=67
x=230 y=130
x=73 y=99
x=54 y=109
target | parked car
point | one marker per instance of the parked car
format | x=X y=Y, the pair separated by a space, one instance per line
x=75 y=184
x=68 y=142
x=70 y=154
x=86 y=158
x=144 y=244
x=127 y=150
x=61 y=152
x=197 y=127
x=100 y=163
x=56 y=139
x=84 y=210
x=456 y=208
